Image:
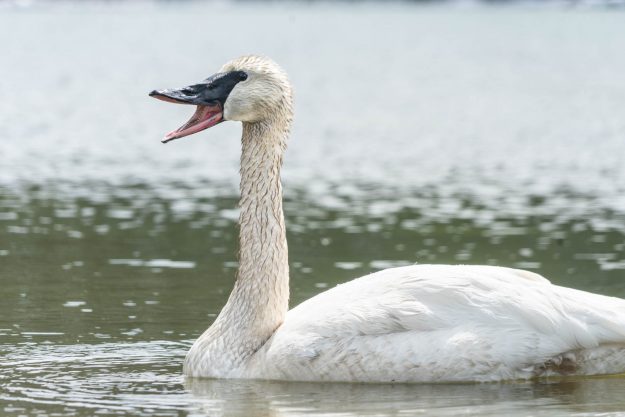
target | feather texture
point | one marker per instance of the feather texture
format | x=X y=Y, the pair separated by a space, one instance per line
x=410 y=324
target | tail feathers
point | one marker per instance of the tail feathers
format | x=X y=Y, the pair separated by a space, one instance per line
x=602 y=317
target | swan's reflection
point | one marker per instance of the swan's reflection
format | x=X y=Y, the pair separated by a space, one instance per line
x=269 y=398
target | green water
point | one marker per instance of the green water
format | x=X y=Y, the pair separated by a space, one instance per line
x=447 y=145
x=136 y=267
x=102 y=299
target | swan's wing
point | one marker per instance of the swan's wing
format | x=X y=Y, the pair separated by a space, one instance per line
x=432 y=315
x=421 y=298
x=430 y=297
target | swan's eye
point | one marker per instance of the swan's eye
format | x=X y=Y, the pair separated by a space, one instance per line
x=242 y=76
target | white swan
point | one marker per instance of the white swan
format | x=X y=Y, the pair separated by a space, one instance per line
x=410 y=324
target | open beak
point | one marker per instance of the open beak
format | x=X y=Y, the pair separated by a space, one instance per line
x=209 y=96
x=208 y=113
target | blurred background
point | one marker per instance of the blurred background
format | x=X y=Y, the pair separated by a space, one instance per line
x=425 y=132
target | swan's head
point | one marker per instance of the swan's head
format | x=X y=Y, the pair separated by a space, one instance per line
x=247 y=89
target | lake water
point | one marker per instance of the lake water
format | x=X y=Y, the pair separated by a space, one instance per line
x=430 y=134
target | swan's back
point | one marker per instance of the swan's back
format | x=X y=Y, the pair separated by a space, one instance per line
x=445 y=323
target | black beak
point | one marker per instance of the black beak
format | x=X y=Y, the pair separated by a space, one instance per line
x=209 y=96
x=210 y=91
x=193 y=94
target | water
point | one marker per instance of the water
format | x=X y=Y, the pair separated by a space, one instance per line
x=423 y=134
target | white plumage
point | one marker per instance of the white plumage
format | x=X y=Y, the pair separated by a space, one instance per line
x=410 y=324
x=446 y=323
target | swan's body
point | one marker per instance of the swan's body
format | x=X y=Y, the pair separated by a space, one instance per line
x=445 y=323
x=411 y=324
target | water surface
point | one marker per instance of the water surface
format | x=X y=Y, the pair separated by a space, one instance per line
x=422 y=135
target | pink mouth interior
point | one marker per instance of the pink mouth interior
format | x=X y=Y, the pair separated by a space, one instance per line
x=203 y=118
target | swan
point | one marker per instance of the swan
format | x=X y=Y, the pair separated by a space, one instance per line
x=419 y=323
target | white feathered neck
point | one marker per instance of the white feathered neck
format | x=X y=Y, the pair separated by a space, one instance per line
x=259 y=300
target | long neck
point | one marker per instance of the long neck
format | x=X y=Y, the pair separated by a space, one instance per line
x=259 y=301
x=263 y=278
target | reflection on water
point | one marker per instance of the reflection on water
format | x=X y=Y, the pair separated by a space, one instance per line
x=582 y=397
x=142 y=378
x=451 y=145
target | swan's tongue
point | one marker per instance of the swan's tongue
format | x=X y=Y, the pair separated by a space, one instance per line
x=203 y=118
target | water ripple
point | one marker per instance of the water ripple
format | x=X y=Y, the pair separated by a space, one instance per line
x=143 y=378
